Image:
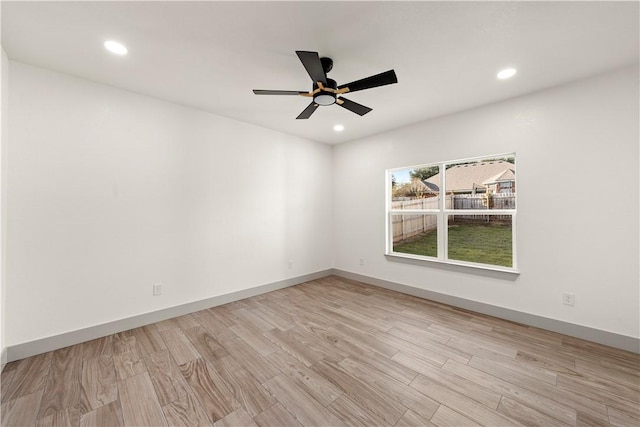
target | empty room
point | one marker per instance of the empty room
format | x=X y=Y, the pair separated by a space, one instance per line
x=320 y=213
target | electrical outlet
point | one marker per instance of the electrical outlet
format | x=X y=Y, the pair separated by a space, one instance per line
x=361 y=262
x=290 y=264
x=569 y=299
x=157 y=289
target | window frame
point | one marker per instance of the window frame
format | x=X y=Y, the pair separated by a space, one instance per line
x=442 y=215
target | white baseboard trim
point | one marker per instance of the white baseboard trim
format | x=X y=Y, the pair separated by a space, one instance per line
x=599 y=336
x=31 y=348
x=3 y=358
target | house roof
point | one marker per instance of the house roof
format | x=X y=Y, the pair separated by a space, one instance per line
x=425 y=186
x=467 y=177
x=432 y=187
x=504 y=176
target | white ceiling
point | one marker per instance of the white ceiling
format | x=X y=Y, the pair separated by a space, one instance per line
x=210 y=55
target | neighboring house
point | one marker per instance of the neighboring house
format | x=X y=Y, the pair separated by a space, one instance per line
x=498 y=176
x=503 y=182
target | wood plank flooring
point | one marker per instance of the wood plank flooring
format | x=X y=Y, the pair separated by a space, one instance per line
x=329 y=352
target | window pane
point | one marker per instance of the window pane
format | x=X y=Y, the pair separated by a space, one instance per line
x=415 y=234
x=411 y=190
x=485 y=239
x=481 y=184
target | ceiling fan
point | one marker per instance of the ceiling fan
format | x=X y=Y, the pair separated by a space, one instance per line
x=326 y=91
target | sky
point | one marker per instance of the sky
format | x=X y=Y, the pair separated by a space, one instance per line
x=402 y=176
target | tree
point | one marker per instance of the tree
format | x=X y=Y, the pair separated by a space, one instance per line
x=424 y=173
x=415 y=189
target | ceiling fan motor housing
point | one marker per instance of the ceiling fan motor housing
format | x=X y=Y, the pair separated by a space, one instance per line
x=327 y=64
x=324 y=97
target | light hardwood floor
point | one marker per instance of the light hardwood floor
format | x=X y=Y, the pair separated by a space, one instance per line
x=326 y=353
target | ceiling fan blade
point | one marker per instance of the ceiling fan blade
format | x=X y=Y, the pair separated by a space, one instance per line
x=352 y=106
x=313 y=65
x=311 y=108
x=382 y=79
x=277 y=92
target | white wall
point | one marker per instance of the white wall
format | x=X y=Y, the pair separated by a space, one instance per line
x=112 y=191
x=4 y=97
x=577 y=157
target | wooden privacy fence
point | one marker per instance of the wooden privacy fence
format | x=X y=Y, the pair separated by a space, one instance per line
x=479 y=201
x=406 y=226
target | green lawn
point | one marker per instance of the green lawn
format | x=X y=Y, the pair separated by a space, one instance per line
x=487 y=244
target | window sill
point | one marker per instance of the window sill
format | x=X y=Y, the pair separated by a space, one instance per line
x=482 y=269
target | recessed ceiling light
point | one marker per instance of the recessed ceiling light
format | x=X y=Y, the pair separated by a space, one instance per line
x=338 y=128
x=507 y=73
x=115 y=47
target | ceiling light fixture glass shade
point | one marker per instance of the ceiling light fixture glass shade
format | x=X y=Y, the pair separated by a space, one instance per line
x=325 y=99
x=507 y=73
x=115 y=47
x=338 y=128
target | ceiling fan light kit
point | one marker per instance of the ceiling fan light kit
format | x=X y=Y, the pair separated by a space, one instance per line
x=325 y=91
x=325 y=96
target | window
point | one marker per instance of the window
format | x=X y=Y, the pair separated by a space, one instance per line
x=457 y=212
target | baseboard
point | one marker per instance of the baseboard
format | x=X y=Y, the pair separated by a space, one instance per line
x=3 y=358
x=44 y=345
x=595 y=335
x=31 y=348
